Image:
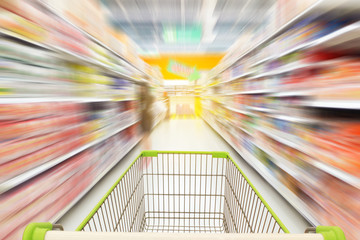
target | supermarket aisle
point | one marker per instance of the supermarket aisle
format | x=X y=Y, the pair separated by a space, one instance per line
x=189 y=135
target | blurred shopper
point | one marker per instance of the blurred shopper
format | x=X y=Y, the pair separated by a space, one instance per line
x=167 y=103
x=146 y=101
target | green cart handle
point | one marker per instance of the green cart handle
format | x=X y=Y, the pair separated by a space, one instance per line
x=329 y=233
x=37 y=231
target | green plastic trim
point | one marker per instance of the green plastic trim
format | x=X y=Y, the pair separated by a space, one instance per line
x=149 y=153
x=331 y=232
x=283 y=227
x=214 y=154
x=220 y=155
x=36 y=231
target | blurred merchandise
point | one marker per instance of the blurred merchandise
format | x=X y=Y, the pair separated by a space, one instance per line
x=68 y=106
x=39 y=201
x=37 y=136
x=285 y=96
x=290 y=107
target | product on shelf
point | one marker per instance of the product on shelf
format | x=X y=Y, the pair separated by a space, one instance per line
x=68 y=106
x=33 y=200
x=10 y=150
x=293 y=110
x=34 y=127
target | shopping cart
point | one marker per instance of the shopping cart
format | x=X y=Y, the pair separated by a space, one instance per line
x=181 y=192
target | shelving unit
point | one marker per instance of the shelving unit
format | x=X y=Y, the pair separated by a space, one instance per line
x=289 y=106
x=341 y=104
x=320 y=8
x=241 y=111
x=315 y=7
x=71 y=56
x=99 y=177
x=14 y=182
x=16 y=100
x=274 y=182
x=94 y=39
x=294 y=143
x=84 y=87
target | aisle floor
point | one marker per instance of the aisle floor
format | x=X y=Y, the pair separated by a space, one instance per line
x=187 y=135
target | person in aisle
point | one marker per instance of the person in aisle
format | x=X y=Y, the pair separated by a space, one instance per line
x=146 y=101
x=167 y=102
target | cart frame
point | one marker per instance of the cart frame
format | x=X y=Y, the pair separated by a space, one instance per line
x=122 y=212
x=251 y=192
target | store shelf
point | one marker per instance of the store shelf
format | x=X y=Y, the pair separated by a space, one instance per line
x=59 y=50
x=334 y=84
x=22 y=38
x=293 y=118
x=315 y=90
x=300 y=47
x=303 y=147
x=89 y=36
x=239 y=76
x=277 y=92
x=15 y=181
x=229 y=94
x=96 y=180
x=232 y=79
x=208 y=109
x=294 y=200
x=341 y=36
x=280 y=70
x=244 y=130
x=15 y=100
x=284 y=138
x=285 y=165
x=232 y=124
x=261 y=61
x=277 y=56
x=280 y=161
x=340 y=104
x=96 y=63
x=295 y=66
x=256 y=91
x=289 y=93
x=212 y=99
x=241 y=111
x=68 y=55
x=297 y=203
x=346 y=177
x=17 y=78
x=262 y=109
x=284 y=28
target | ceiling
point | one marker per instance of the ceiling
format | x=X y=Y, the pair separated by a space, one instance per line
x=195 y=26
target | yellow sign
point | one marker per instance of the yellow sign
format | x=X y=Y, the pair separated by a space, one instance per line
x=203 y=62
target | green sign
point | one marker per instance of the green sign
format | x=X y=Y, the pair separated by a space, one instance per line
x=182 y=34
x=191 y=73
x=194 y=76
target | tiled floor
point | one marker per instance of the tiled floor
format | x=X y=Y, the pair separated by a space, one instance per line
x=176 y=116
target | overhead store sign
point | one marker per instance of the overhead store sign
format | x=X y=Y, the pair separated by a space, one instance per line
x=182 y=34
x=191 y=73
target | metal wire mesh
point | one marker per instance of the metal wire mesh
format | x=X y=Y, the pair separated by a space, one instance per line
x=183 y=192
